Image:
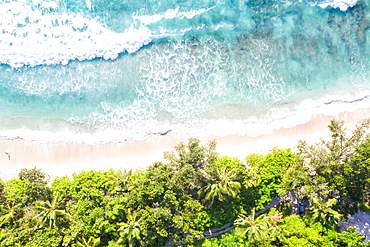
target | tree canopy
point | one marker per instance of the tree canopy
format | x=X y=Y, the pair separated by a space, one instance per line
x=197 y=193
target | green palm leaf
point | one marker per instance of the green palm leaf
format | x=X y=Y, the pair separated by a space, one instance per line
x=49 y=213
x=11 y=215
x=221 y=186
x=323 y=212
x=131 y=232
x=255 y=229
x=91 y=242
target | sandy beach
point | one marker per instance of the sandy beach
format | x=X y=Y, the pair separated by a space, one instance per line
x=66 y=158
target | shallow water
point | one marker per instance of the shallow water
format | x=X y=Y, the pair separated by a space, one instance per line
x=102 y=71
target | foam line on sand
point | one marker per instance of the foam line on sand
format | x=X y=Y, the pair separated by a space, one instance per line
x=66 y=158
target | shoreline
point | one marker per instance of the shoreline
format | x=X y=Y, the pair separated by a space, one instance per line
x=66 y=158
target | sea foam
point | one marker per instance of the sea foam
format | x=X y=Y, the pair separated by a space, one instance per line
x=343 y=5
x=140 y=128
x=170 y=14
x=35 y=36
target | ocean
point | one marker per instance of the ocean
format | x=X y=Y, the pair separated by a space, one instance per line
x=98 y=71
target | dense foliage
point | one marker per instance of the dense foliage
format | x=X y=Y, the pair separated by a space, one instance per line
x=181 y=201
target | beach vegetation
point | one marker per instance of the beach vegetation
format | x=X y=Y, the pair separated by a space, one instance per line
x=133 y=231
x=91 y=242
x=36 y=184
x=324 y=213
x=254 y=228
x=50 y=213
x=221 y=185
x=198 y=198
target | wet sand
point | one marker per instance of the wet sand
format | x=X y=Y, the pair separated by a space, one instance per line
x=66 y=158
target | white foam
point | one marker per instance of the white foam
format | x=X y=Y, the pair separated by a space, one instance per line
x=343 y=5
x=89 y=5
x=170 y=14
x=31 y=36
x=139 y=122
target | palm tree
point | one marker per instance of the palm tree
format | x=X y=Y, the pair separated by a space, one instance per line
x=131 y=232
x=323 y=212
x=221 y=186
x=254 y=228
x=49 y=213
x=12 y=212
x=91 y=242
x=253 y=179
x=121 y=180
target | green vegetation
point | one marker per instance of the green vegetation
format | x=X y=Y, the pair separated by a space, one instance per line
x=194 y=195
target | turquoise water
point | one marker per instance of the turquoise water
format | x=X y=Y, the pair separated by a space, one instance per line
x=101 y=71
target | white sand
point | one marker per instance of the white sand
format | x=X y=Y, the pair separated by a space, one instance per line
x=65 y=158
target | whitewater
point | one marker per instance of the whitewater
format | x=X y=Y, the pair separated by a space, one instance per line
x=98 y=71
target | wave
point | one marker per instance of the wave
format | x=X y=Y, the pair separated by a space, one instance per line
x=139 y=128
x=32 y=37
x=170 y=14
x=42 y=33
x=283 y=117
x=343 y=5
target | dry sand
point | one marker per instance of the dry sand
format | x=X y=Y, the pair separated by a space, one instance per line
x=66 y=158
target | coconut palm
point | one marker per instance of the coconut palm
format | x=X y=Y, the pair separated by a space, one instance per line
x=12 y=213
x=255 y=229
x=131 y=232
x=50 y=212
x=121 y=180
x=91 y=242
x=221 y=185
x=323 y=212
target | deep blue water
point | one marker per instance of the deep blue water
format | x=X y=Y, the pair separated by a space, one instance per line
x=100 y=71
